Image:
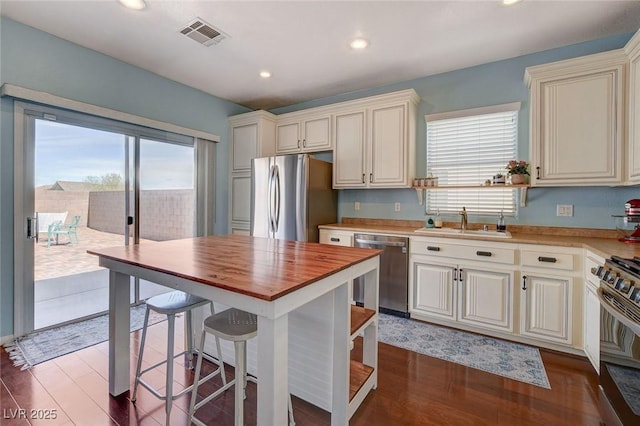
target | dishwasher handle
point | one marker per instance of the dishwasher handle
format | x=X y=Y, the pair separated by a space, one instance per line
x=381 y=243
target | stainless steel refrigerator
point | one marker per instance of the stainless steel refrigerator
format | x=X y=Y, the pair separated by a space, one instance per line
x=290 y=196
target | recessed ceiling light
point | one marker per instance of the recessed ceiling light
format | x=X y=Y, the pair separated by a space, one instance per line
x=510 y=2
x=265 y=74
x=133 y=4
x=359 y=43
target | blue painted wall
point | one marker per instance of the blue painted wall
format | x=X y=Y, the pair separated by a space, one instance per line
x=489 y=84
x=33 y=59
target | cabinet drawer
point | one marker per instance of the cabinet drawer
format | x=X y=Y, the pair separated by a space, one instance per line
x=456 y=251
x=336 y=238
x=544 y=259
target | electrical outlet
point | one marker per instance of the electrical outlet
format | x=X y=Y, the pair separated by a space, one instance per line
x=356 y=205
x=564 y=210
x=397 y=207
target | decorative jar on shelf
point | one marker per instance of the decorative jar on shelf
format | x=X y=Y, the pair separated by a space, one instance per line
x=518 y=179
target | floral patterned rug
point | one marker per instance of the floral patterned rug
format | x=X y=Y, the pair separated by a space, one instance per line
x=507 y=359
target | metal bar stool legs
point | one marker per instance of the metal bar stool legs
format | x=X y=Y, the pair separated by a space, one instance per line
x=236 y=326
x=171 y=304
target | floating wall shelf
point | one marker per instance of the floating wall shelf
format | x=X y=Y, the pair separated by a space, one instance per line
x=523 y=190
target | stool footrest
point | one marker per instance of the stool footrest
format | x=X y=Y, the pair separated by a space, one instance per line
x=214 y=395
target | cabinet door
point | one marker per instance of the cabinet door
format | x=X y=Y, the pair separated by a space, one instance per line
x=288 y=137
x=592 y=326
x=240 y=198
x=485 y=299
x=546 y=307
x=433 y=291
x=349 y=158
x=317 y=134
x=634 y=118
x=244 y=146
x=579 y=130
x=388 y=155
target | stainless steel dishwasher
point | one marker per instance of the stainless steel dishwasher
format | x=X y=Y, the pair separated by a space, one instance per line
x=394 y=272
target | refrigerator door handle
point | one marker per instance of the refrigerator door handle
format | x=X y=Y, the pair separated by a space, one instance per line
x=276 y=205
x=270 y=198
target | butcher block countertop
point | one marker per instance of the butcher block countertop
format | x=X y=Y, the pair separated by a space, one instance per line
x=259 y=267
x=602 y=242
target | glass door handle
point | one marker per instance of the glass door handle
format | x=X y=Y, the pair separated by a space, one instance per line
x=32 y=227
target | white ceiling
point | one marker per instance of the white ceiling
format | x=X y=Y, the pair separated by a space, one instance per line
x=305 y=44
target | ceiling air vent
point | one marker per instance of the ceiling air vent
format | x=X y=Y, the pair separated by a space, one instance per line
x=202 y=32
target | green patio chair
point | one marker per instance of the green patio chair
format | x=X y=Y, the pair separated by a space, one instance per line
x=72 y=228
x=58 y=228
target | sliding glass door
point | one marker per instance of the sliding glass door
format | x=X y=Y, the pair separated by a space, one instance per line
x=89 y=183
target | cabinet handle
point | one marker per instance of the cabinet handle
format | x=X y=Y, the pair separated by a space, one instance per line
x=484 y=253
x=335 y=240
x=298 y=143
x=538 y=172
x=370 y=177
x=460 y=272
x=547 y=259
x=455 y=274
x=304 y=143
x=524 y=282
x=363 y=178
x=433 y=248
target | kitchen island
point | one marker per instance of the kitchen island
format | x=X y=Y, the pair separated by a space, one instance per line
x=270 y=278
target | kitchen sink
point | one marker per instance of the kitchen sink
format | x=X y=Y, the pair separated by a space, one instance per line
x=457 y=231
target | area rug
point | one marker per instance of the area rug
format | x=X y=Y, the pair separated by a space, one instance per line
x=32 y=349
x=511 y=360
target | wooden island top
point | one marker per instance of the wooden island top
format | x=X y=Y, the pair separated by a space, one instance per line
x=263 y=268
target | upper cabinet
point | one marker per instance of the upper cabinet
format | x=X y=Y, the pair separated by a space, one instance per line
x=252 y=136
x=303 y=133
x=577 y=120
x=375 y=142
x=633 y=125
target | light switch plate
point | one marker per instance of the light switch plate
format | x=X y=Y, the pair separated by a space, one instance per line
x=397 y=207
x=564 y=210
x=356 y=205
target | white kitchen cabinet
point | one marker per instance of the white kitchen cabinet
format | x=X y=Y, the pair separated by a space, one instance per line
x=485 y=298
x=577 y=119
x=434 y=290
x=375 y=142
x=252 y=135
x=592 y=309
x=546 y=307
x=349 y=169
x=633 y=116
x=551 y=296
x=462 y=284
x=303 y=134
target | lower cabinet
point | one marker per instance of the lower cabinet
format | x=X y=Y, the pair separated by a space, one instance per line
x=470 y=295
x=546 y=307
x=592 y=326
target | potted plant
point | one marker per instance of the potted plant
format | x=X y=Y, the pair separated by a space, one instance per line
x=518 y=170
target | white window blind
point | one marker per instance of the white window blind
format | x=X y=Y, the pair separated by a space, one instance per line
x=466 y=150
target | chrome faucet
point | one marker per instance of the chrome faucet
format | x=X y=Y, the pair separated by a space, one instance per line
x=463 y=219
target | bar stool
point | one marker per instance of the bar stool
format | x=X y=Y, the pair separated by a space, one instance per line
x=170 y=304
x=236 y=326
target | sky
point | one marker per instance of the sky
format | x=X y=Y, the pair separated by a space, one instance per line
x=71 y=153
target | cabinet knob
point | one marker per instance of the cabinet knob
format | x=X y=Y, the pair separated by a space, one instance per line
x=335 y=240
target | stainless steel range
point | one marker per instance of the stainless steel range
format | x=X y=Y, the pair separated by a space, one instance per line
x=619 y=295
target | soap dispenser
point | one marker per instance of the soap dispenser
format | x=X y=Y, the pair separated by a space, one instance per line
x=501 y=227
x=438 y=221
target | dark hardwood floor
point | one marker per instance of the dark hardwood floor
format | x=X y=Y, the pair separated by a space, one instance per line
x=413 y=389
